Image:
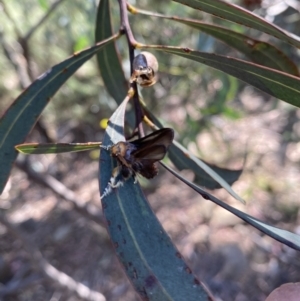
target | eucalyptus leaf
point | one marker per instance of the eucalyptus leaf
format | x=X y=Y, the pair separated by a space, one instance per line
x=152 y=263
x=239 y=15
x=205 y=174
x=288 y=238
x=201 y=177
x=278 y=84
x=258 y=51
x=21 y=116
x=55 y=148
x=108 y=58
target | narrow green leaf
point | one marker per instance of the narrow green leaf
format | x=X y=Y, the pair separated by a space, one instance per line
x=108 y=58
x=201 y=177
x=206 y=175
x=55 y=148
x=154 y=266
x=21 y=116
x=276 y=83
x=258 y=51
x=242 y=16
x=288 y=238
x=196 y=162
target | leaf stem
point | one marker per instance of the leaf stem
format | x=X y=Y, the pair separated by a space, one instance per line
x=125 y=26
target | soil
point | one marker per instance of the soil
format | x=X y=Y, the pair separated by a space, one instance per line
x=234 y=260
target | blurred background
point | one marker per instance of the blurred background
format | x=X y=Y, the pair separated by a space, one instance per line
x=53 y=200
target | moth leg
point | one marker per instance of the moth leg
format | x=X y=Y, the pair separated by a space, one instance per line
x=127 y=173
x=134 y=76
x=106 y=191
x=117 y=184
x=113 y=182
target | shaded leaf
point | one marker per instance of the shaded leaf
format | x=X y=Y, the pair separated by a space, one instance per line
x=281 y=85
x=206 y=174
x=108 y=58
x=55 y=148
x=242 y=16
x=259 y=52
x=154 y=266
x=199 y=165
x=201 y=177
x=21 y=116
x=288 y=238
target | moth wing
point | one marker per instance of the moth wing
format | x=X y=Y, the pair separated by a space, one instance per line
x=151 y=153
x=149 y=150
x=149 y=172
x=163 y=136
x=146 y=168
x=145 y=159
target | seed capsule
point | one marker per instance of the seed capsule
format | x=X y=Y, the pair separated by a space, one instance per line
x=145 y=67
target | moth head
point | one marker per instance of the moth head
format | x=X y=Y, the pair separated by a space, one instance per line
x=119 y=149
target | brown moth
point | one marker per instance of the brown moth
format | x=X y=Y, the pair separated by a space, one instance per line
x=138 y=157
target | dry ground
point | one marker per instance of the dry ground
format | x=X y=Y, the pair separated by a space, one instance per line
x=236 y=261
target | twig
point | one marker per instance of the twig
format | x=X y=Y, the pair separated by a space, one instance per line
x=20 y=64
x=10 y=18
x=18 y=61
x=49 y=270
x=42 y=20
x=89 y=211
x=125 y=26
x=13 y=287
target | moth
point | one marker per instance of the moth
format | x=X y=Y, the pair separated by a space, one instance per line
x=145 y=67
x=138 y=157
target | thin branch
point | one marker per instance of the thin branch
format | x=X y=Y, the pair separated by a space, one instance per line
x=126 y=26
x=23 y=40
x=19 y=57
x=15 y=55
x=139 y=115
x=131 y=45
x=49 y=270
x=89 y=211
x=13 y=287
x=10 y=18
x=18 y=61
x=42 y=20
